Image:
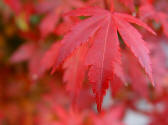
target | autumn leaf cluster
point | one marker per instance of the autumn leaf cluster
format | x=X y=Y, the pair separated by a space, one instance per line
x=60 y=59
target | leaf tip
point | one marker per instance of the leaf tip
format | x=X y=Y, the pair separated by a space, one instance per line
x=99 y=103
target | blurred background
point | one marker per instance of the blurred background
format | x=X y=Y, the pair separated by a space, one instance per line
x=30 y=95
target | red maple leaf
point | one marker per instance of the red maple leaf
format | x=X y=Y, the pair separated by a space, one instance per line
x=104 y=55
x=31 y=52
x=135 y=74
x=75 y=70
x=53 y=10
x=15 y=5
x=147 y=12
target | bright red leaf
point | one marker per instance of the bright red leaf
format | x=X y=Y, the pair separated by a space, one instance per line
x=102 y=27
x=75 y=70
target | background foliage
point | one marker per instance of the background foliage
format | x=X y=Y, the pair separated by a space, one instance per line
x=31 y=36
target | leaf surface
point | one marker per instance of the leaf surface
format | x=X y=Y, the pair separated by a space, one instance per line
x=103 y=57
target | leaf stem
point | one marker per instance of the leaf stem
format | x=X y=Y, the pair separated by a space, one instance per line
x=112 y=6
x=106 y=4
